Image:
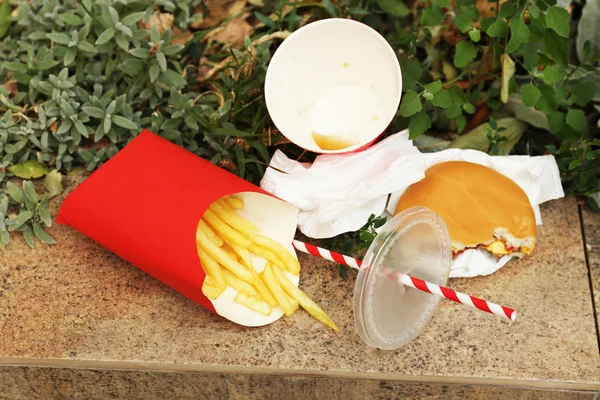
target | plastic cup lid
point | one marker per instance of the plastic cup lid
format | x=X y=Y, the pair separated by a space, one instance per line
x=386 y=314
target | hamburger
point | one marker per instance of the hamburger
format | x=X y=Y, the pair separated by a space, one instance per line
x=482 y=208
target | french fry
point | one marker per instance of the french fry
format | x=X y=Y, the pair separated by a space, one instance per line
x=222 y=210
x=210 y=233
x=212 y=292
x=281 y=252
x=211 y=267
x=253 y=303
x=277 y=290
x=223 y=258
x=267 y=255
x=244 y=254
x=226 y=232
x=240 y=285
x=234 y=202
x=259 y=284
x=305 y=301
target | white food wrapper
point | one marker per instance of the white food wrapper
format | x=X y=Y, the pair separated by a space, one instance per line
x=338 y=193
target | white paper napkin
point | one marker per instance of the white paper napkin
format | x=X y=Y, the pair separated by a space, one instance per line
x=338 y=193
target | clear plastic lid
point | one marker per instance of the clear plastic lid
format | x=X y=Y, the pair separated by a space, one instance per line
x=386 y=314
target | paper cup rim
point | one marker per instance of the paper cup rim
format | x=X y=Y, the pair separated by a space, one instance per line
x=286 y=43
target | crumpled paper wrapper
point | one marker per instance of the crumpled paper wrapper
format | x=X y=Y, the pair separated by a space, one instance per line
x=338 y=193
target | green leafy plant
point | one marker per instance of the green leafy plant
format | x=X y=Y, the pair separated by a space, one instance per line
x=79 y=80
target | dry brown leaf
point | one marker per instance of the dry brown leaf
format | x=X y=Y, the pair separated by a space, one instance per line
x=486 y=8
x=180 y=37
x=233 y=33
x=217 y=11
x=53 y=127
x=11 y=87
x=163 y=21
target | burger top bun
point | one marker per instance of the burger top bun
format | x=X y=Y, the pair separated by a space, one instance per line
x=480 y=206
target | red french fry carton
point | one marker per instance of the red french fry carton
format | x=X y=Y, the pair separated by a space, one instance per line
x=145 y=203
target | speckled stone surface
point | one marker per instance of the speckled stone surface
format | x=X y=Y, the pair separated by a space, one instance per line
x=591 y=226
x=77 y=303
x=27 y=383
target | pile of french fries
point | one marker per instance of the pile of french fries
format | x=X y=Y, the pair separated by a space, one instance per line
x=226 y=242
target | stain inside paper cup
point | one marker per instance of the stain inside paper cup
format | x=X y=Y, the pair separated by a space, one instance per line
x=343 y=116
x=274 y=219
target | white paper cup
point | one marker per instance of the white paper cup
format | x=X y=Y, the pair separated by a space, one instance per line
x=336 y=77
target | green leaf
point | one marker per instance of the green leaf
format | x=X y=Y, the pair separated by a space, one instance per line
x=534 y=11
x=45 y=216
x=53 y=183
x=498 y=29
x=29 y=237
x=67 y=108
x=42 y=234
x=519 y=33
x=463 y=22
x=553 y=74
x=31 y=169
x=86 y=155
x=432 y=16
x=133 y=18
x=411 y=104
x=140 y=52
x=557 y=19
x=93 y=112
x=477 y=139
x=262 y=18
x=132 y=66
x=29 y=191
x=106 y=124
x=60 y=38
x=576 y=119
x=442 y=99
x=124 y=122
x=16 y=66
x=556 y=47
x=411 y=73
x=530 y=59
x=14 y=192
x=171 y=50
x=547 y=102
x=465 y=53
x=162 y=61
x=4 y=17
x=87 y=47
x=153 y=72
x=174 y=78
x=16 y=222
x=468 y=107
x=396 y=8
x=507 y=10
x=419 y=123
x=475 y=35
x=584 y=92
x=105 y=36
x=68 y=58
x=556 y=121
x=530 y=94
x=81 y=128
x=45 y=64
x=454 y=111
x=71 y=19
x=574 y=164
x=461 y=122
x=434 y=86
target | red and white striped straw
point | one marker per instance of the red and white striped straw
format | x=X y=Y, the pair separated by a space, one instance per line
x=412 y=282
